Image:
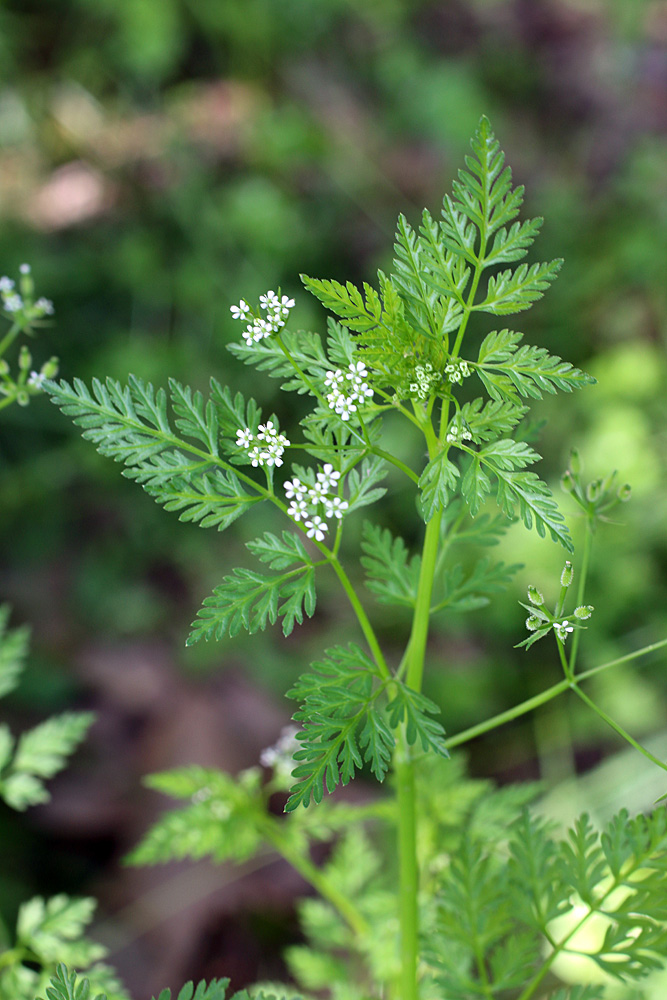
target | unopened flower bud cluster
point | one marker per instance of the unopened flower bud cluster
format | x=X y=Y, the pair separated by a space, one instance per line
x=266 y=447
x=425 y=378
x=316 y=502
x=456 y=370
x=346 y=389
x=457 y=432
x=276 y=309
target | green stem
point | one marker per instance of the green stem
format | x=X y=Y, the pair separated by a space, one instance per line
x=618 y=729
x=319 y=881
x=581 y=589
x=404 y=772
x=362 y=617
x=9 y=337
x=408 y=988
x=541 y=699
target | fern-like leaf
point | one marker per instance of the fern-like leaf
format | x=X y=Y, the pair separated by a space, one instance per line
x=65 y=985
x=509 y=371
x=341 y=724
x=131 y=425
x=247 y=599
x=221 y=818
x=392 y=575
x=13 y=651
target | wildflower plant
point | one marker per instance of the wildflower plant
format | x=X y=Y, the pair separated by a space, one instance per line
x=26 y=315
x=473 y=904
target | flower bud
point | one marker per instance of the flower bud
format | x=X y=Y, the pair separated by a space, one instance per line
x=584 y=611
x=535 y=597
x=567 y=574
x=25 y=359
x=567 y=482
x=593 y=491
x=576 y=465
x=50 y=368
x=624 y=493
x=533 y=624
x=22 y=398
x=4 y=367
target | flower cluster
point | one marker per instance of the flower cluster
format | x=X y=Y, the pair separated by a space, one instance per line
x=425 y=377
x=346 y=389
x=13 y=302
x=266 y=447
x=456 y=370
x=313 y=503
x=276 y=311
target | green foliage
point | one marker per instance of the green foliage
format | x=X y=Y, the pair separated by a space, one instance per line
x=493 y=917
x=51 y=935
x=64 y=986
x=13 y=651
x=344 y=722
x=221 y=819
x=509 y=371
x=131 y=425
x=247 y=599
x=38 y=754
x=392 y=576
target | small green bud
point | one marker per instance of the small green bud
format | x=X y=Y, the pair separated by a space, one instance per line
x=532 y=623
x=26 y=284
x=624 y=493
x=25 y=359
x=22 y=398
x=593 y=490
x=4 y=367
x=567 y=482
x=567 y=574
x=535 y=597
x=576 y=465
x=50 y=368
x=584 y=611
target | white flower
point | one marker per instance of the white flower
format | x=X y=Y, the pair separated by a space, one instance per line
x=44 y=306
x=24 y=268
x=298 y=509
x=316 y=528
x=244 y=438
x=6 y=284
x=562 y=629
x=269 y=300
x=13 y=303
x=335 y=507
x=36 y=380
x=328 y=477
x=294 y=488
x=334 y=379
x=241 y=310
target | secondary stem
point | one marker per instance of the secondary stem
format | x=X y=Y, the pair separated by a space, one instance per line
x=319 y=881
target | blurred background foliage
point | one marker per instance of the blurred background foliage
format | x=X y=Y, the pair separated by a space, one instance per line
x=161 y=158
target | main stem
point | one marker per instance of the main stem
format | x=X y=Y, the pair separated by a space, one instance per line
x=408 y=988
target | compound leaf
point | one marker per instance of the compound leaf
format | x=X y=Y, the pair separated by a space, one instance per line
x=393 y=576
x=341 y=724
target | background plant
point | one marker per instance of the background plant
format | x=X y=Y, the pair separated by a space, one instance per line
x=356 y=706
